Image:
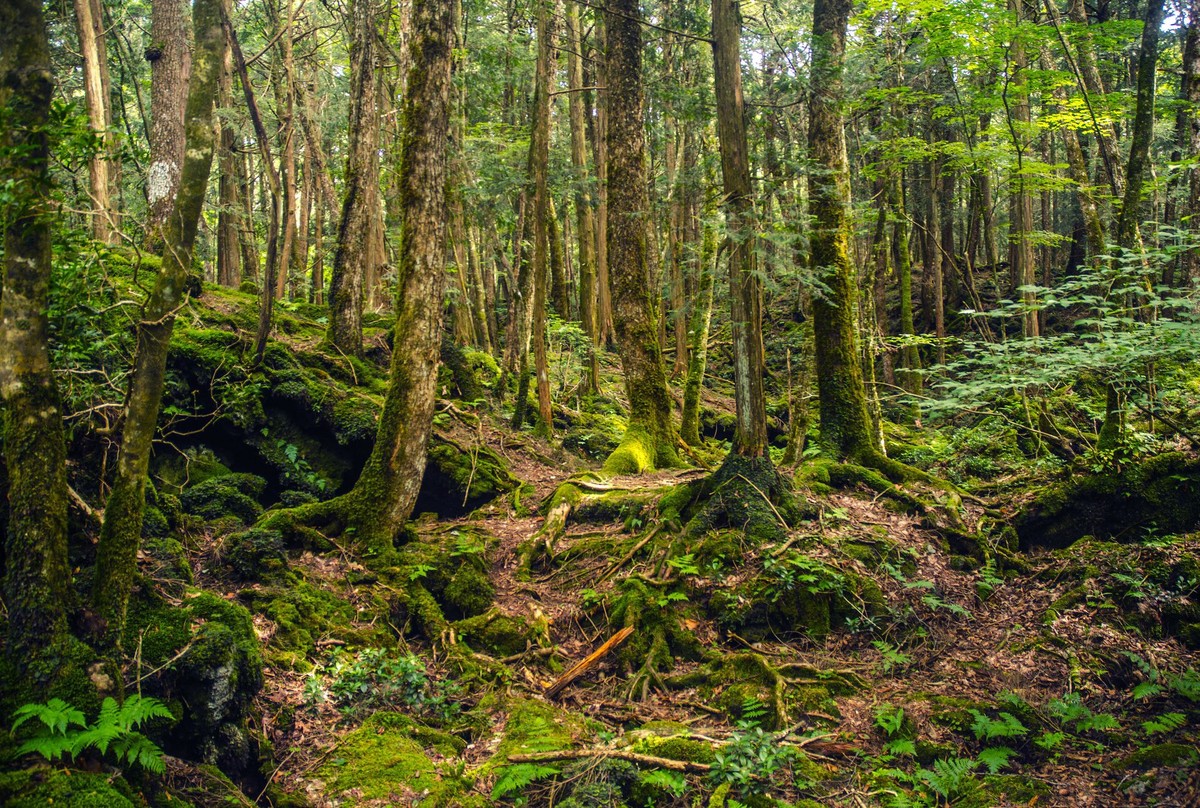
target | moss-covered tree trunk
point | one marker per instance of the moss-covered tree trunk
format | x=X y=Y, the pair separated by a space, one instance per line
x=543 y=210
x=750 y=437
x=1187 y=130
x=120 y=536
x=37 y=585
x=845 y=425
x=650 y=438
x=362 y=186
x=385 y=493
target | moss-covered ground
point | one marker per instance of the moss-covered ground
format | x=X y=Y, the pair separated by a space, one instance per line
x=850 y=642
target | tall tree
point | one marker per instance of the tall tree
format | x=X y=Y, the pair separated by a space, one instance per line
x=650 y=437
x=845 y=425
x=168 y=57
x=89 y=24
x=745 y=294
x=37 y=585
x=120 y=536
x=362 y=186
x=386 y=491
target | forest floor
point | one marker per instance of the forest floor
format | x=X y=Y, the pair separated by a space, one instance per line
x=1044 y=681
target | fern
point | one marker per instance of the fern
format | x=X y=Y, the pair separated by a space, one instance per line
x=673 y=782
x=995 y=758
x=516 y=778
x=1187 y=684
x=950 y=777
x=1167 y=722
x=65 y=733
x=987 y=728
x=1147 y=690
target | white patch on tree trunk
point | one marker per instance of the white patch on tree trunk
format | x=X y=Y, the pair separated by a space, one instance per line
x=161 y=180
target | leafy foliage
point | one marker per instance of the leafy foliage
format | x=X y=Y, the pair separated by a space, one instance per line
x=516 y=778
x=65 y=733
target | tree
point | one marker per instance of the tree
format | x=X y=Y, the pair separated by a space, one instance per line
x=89 y=19
x=362 y=186
x=37 y=585
x=845 y=426
x=120 y=536
x=168 y=57
x=650 y=437
x=383 y=498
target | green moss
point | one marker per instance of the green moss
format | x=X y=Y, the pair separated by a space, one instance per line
x=304 y=613
x=498 y=634
x=227 y=495
x=37 y=788
x=532 y=726
x=636 y=454
x=255 y=554
x=169 y=563
x=459 y=480
x=1163 y=754
x=676 y=748
x=469 y=593
x=381 y=762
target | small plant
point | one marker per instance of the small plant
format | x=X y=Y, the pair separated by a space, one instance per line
x=65 y=733
x=950 y=778
x=987 y=728
x=686 y=564
x=1167 y=722
x=893 y=659
x=373 y=677
x=671 y=782
x=750 y=759
x=516 y=778
x=989 y=579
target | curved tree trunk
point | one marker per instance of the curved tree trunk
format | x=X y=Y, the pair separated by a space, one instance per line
x=385 y=493
x=120 y=536
x=37 y=585
x=650 y=438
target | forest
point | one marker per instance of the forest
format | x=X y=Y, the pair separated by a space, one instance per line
x=577 y=403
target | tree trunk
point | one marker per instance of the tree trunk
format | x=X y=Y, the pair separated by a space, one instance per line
x=1022 y=263
x=600 y=146
x=229 y=255
x=750 y=437
x=89 y=19
x=386 y=491
x=120 y=536
x=650 y=437
x=698 y=325
x=284 y=76
x=585 y=229
x=37 y=585
x=361 y=182
x=169 y=65
x=845 y=425
x=1143 y=129
x=1188 y=137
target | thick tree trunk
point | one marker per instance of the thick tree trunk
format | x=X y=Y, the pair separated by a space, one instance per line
x=169 y=59
x=385 y=493
x=362 y=183
x=750 y=437
x=845 y=425
x=1143 y=129
x=120 y=536
x=37 y=585
x=650 y=438
x=1022 y=263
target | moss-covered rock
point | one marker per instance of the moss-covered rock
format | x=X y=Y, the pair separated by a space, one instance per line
x=255 y=554
x=227 y=495
x=470 y=593
x=460 y=479
x=1163 y=492
x=167 y=563
x=1163 y=754
x=41 y=787
x=209 y=668
x=499 y=634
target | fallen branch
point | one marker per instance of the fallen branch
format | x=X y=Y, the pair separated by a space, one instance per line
x=580 y=668
x=632 y=757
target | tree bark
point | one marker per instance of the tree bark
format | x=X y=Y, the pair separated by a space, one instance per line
x=37 y=583
x=120 y=536
x=385 y=493
x=89 y=19
x=650 y=437
x=750 y=437
x=361 y=182
x=169 y=65
x=585 y=229
x=845 y=425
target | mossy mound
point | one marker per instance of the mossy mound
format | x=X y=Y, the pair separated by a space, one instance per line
x=304 y=613
x=386 y=762
x=460 y=479
x=40 y=787
x=208 y=668
x=227 y=495
x=255 y=554
x=1163 y=754
x=499 y=634
x=1162 y=493
x=746 y=494
x=796 y=594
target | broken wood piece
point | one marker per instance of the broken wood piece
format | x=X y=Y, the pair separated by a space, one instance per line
x=580 y=668
x=632 y=757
